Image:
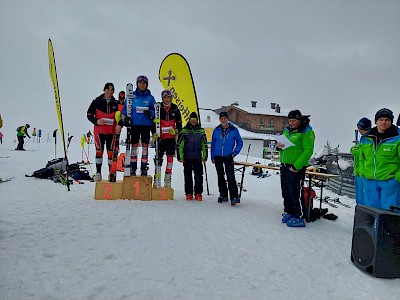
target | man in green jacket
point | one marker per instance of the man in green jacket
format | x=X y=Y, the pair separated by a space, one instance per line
x=294 y=161
x=192 y=152
x=363 y=126
x=380 y=162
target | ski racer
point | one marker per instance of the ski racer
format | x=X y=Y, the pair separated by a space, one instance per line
x=101 y=113
x=121 y=99
x=171 y=125
x=141 y=123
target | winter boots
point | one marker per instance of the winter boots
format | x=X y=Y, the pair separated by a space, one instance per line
x=222 y=199
x=296 y=222
x=286 y=217
x=235 y=201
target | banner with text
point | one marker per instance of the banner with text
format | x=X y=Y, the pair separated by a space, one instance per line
x=175 y=75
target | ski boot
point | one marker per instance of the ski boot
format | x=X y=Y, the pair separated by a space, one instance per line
x=167 y=180
x=189 y=197
x=112 y=177
x=198 y=197
x=133 y=168
x=98 y=177
x=143 y=169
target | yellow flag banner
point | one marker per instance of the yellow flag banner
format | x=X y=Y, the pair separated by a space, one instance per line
x=175 y=75
x=53 y=76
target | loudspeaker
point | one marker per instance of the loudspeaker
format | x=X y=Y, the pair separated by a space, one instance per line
x=375 y=246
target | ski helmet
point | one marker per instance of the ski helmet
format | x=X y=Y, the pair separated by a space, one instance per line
x=165 y=93
x=142 y=78
x=28 y=126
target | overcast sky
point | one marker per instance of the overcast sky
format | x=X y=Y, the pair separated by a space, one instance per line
x=336 y=60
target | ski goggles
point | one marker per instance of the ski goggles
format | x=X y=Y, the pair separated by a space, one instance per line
x=142 y=78
x=166 y=93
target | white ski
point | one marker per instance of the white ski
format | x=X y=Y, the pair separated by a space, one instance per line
x=157 y=161
x=129 y=96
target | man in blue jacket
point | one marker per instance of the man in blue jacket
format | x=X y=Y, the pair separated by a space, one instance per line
x=226 y=143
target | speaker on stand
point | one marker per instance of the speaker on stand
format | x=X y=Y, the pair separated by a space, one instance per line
x=375 y=246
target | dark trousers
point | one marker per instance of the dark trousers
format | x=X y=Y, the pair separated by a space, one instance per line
x=196 y=166
x=20 y=142
x=167 y=146
x=225 y=165
x=291 y=184
x=140 y=132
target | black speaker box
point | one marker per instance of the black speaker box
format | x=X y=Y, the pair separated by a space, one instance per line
x=375 y=247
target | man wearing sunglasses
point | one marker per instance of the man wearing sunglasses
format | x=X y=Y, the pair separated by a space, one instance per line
x=141 y=122
x=171 y=125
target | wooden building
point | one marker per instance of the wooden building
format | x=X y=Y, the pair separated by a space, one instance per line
x=257 y=119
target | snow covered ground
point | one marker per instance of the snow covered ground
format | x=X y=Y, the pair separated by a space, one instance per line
x=56 y=244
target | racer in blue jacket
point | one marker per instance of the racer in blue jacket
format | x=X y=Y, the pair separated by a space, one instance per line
x=141 y=123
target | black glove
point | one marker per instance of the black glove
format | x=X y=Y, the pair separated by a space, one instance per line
x=126 y=122
x=148 y=113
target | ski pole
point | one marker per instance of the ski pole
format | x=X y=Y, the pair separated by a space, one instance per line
x=356 y=136
x=87 y=160
x=243 y=170
x=87 y=156
x=55 y=142
x=205 y=170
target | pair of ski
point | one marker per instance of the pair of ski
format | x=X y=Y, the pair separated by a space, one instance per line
x=334 y=202
x=127 y=166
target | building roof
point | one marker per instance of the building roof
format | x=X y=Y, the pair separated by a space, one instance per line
x=214 y=122
x=262 y=111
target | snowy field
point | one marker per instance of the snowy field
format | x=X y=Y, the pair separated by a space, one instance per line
x=56 y=244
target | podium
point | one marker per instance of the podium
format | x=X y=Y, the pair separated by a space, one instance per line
x=106 y=190
x=132 y=188
x=162 y=194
